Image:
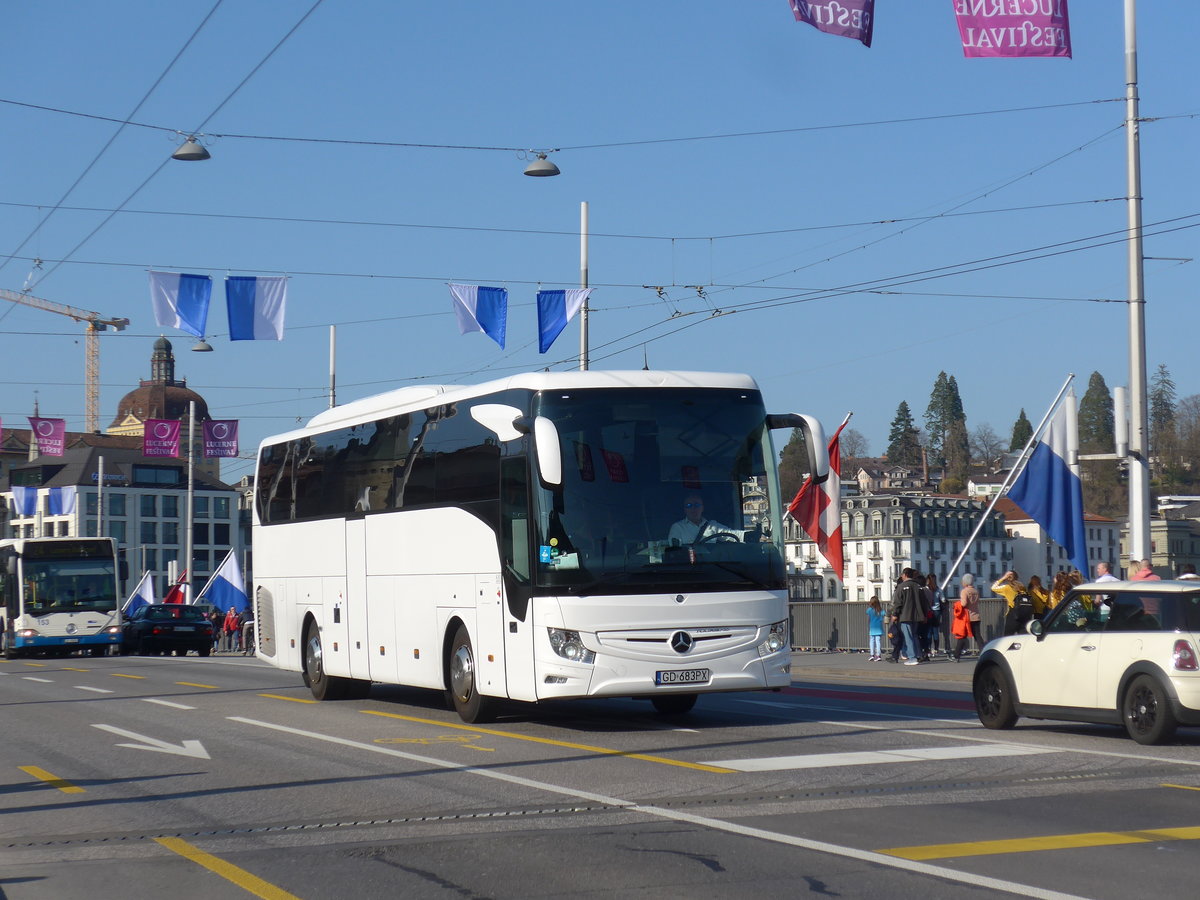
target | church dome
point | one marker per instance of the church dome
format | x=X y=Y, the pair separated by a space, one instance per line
x=160 y=401
x=162 y=397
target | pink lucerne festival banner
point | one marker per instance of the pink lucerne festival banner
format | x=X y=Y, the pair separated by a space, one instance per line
x=51 y=435
x=220 y=438
x=847 y=18
x=161 y=438
x=1013 y=28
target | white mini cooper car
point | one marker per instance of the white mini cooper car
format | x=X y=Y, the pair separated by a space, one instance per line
x=1119 y=652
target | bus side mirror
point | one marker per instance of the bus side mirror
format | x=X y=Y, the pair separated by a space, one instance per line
x=549 y=454
x=499 y=418
x=11 y=565
x=546 y=447
x=814 y=440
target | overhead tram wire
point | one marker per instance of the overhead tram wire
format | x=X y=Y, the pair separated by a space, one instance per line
x=486 y=229
x=167 y=159
x=430 y=145
x=116 y=133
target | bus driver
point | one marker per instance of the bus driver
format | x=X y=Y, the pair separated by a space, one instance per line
x=693 y=528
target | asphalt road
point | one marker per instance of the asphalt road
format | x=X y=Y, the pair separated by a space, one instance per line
x=219 y=777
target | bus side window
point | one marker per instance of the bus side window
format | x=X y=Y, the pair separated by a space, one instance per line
x=514 y=517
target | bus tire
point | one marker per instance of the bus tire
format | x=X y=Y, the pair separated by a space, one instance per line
x=463 y=692
x=674 y=704
x=10 y=652
x=323 y=686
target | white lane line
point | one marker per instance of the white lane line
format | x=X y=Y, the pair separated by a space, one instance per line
x=94 y=690
x=871 y=757
x=890 y=862
x=166 y=703
x=42 y=680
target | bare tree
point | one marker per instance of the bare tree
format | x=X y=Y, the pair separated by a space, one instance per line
x=853 y=444
x=986 y=445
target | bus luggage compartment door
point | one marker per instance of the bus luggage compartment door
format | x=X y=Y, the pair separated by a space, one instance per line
x=489 y=624
x=355 y=601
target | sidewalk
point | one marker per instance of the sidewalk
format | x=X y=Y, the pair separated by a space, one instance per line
x=857 y=664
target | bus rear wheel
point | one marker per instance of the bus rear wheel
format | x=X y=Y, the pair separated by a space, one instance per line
x=463 y=692
x=323 y=686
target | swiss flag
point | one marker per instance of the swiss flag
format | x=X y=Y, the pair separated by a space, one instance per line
x=818 y=511
x=178 y=591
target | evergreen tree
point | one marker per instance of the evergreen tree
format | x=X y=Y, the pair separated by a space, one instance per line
x=958 y=452
x=1162 y=410
x=937 y=418
x=1103 y=492
x=793 y=465
x=1096 y=417
x=1022 y=429
x=904 y=445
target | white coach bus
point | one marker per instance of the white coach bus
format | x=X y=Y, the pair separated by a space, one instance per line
x=525 y=539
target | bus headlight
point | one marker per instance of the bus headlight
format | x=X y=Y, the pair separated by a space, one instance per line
x=568 y=645
x=27 y=632
x=776 y=640
x=113 y=629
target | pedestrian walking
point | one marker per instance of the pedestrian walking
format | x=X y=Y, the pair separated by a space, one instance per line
x=968 y=601
x=230 y=627
x=934 y=633
x=218 y=627
x=875 y=627
x=909 y=610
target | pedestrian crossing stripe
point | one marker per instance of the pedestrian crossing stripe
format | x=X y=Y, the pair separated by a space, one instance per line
x=875 y=757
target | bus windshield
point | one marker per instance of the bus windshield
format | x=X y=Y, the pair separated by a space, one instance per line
x=68 y=585
x=662 y=490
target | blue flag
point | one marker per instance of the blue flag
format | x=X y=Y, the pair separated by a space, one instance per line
x=481 y=309
x=226 y=588
x=1050 y=492
x=61 y=501
x=181 y=300
x=143 y=595
x=555 y=310
x=256 y=305
x=24 y=500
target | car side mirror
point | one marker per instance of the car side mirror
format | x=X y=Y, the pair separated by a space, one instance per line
x=1036 y=628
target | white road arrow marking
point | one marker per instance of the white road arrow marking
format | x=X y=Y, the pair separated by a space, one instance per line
x=193 y=749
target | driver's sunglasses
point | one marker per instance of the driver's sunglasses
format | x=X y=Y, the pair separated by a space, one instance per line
x=691 y=505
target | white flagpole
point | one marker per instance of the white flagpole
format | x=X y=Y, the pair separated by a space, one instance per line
x=1008 y=479
x=191 y=500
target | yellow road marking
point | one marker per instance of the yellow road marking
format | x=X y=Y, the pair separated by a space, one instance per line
x=463 y=739
x=193 y=684
x=73 y=669
x=243 y=879
x=1046 y=842
x=121 y=675
x=1182 y=787
x=292 y=699
x=701 y=767
x=52 y=780
x=36 y=665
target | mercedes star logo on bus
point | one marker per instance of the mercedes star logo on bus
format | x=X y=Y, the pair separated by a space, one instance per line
x=681 y=642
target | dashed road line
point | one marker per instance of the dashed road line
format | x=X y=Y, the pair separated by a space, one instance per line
x=52 y=780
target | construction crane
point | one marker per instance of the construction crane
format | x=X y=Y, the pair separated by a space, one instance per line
x=95 y=324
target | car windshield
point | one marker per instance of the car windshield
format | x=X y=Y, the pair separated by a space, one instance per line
x=68 y=585
x=665 y=489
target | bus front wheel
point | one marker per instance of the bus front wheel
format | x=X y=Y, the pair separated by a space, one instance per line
x=323 y=686
x=674 y=704
x=463 y=692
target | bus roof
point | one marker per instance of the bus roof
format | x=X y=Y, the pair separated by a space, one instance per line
x=418 y=397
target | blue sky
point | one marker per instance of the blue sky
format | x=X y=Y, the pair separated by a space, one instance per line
x=849 y=264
